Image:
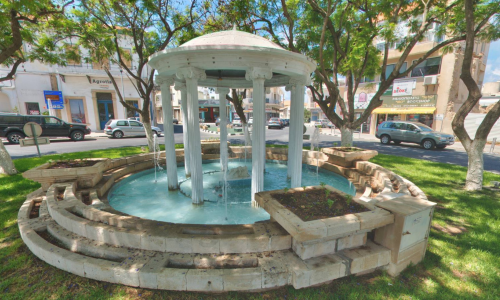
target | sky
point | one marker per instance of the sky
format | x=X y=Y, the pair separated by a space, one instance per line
x=493 y=65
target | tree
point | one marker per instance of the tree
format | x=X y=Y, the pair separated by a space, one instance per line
x=307 y=114
x=25 y=22
x=474 y=15
x=104 y=26
x=341 y=35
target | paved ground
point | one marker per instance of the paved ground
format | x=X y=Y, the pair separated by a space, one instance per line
x=453 y=155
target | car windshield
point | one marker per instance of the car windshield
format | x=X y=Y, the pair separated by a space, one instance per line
x=423 y=127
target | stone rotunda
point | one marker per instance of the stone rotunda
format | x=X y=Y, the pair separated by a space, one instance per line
x=224 y=60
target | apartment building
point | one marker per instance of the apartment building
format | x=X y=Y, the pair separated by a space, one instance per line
x=78 y=93
x=274 y=102
x=431 y=94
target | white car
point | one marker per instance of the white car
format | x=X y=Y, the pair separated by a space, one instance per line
x=237 y=122
x=250 y=121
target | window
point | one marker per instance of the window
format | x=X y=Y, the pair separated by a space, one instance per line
x=32 y=108
x=37 y=120
x=132 y=113
x=430 y=66
x=101 y=65
x=122 y=123
x=73 y=54
x=388 y=125
x=390 y=68
x=135 y=123
x=11 y=119
x=367 y=79
x=381 y=46
x=51 y=121
x=77 y=111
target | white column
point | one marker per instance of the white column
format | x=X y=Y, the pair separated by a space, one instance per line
x=297 y=87
x=191 y=75
x=223 y=126
x=291 y=136
x=258 y=76
x=168 y=130
x=179 y=86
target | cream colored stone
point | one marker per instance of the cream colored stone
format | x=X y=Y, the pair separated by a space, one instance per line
x=242 y=279
x=351 y=241
x=326 y=268
x=205 y=280
x=375 y=218
x=203 y=244
x=172 y=279
x=342 y=225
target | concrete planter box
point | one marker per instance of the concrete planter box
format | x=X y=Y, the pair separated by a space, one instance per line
x=324 y=236
x=86 y=177
x=346 y=159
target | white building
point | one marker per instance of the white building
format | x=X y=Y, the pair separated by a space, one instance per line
x=88 y=95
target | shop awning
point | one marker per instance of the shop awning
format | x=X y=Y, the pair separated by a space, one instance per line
x=404 y=110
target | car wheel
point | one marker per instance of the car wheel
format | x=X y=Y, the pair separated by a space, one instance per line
x=77 y=135
x=397 y=142
x=14 y=137
x=118 y=134
x=428 y=144
x=385 y=139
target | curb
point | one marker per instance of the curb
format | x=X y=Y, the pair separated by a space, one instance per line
x=216 y=132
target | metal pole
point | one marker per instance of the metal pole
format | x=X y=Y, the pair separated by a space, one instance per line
x=35 y=138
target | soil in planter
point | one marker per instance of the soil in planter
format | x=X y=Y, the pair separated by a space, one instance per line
x=72 y=164
x=35 y=210
x=318 y=204
x=349 y=149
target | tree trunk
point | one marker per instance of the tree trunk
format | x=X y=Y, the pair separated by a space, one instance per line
x=475 y=167
x=6 y=163
x=147 y=127
x=346 y=137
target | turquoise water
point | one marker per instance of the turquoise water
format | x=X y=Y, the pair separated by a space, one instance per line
x=140 y=196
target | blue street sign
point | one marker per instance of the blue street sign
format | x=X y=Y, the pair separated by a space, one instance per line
x=55 y=98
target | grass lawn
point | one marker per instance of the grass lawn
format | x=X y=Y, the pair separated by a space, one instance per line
x=462 y=261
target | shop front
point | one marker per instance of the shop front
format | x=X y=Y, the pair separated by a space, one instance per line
x=407 y=108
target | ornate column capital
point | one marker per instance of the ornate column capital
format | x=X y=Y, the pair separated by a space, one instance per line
x=191 y=73
x=296 y=81
x=258 y=73
x=222 y=91
x=161 y=80
x=180 y=86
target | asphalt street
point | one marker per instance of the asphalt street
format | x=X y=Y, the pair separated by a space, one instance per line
x=452 y=155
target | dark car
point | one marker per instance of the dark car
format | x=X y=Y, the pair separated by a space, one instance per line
x=413 y=132
x=175 y=121
x=217 y=122
x=11 y=127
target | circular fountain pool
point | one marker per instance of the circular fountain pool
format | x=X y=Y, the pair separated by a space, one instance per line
x=140 y=196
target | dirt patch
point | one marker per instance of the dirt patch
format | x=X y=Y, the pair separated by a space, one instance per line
x=349 y=149
x=35 y=210
x=72 y=164
x=450 y=229
x=318 y=204
x=86 y=199
x=60 y=194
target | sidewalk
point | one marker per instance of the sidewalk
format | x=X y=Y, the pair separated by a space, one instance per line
x=97 y=134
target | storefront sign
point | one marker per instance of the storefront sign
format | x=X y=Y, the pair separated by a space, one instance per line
x=408 y=101
x=404 y=88
x=101 y=81
x=53 y=99
x=203 y=109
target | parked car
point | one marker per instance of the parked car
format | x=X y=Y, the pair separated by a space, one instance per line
x=217 y=122
x=286 y=121
x=330 y=124
x=276 y=120
x=274 y=123
x=175 y=121
x=250 y=121
x=119 y=128
x=11 y=127
x=134 y=119
x=317 y=123
x=237 y=122
x=413 y=132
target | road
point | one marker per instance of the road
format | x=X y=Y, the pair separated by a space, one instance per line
x=452 y=155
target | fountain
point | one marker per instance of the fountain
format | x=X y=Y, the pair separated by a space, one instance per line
x=210 y=222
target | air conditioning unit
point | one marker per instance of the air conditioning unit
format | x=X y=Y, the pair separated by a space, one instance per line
x=430 y=80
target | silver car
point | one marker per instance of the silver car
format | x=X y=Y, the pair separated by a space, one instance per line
x=413 y=132
x=121 y=127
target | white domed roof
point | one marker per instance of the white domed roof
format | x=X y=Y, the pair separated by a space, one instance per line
x=231 y=38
